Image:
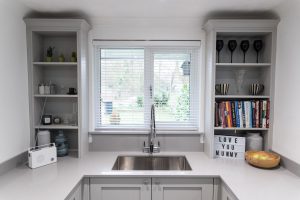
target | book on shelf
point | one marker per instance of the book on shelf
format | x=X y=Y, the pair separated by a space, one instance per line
x=242 y=114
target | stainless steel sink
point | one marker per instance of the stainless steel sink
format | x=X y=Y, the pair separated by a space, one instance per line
x=151 y=163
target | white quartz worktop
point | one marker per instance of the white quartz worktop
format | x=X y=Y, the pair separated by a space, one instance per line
x=54 y=182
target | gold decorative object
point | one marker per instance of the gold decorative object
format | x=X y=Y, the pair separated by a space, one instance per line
x=262 y=159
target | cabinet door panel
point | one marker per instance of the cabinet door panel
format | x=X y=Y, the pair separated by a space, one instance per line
x=226 y=194
x=182 y=189
x=120 y=189
x=76 y=193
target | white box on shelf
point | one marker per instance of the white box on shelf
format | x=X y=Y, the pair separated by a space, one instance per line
x=42 y=155
x=229 y=147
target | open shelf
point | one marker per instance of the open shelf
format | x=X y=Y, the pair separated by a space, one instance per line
x=56 y=95
x=55 y=63
x=53 y=126
x=239 y=65
x=241 y=129
x=241 y=97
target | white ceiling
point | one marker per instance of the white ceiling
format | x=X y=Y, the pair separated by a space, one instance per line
x=149 y=8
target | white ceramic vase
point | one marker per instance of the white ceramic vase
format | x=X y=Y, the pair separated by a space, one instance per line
x=254 y=142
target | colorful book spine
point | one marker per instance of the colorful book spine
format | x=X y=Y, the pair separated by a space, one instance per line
x=229 y=114
x=260 y=113
x=257 y=114
x=237 y=115
x=253 y=114
x=243 y=114
x=268 y=114
x=247 y=114
x=233 y=113
x=264 y=115
x=216 y=114
x=224 y=115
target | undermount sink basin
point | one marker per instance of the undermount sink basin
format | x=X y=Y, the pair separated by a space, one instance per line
x=151 y=163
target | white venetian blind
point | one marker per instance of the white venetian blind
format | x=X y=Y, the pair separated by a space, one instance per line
x=120 y=87
x=177 y=105
x=129 y=80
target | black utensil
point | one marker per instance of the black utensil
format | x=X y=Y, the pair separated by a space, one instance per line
x=219 y=47
x=245 y=46
x=232 y=46
x=258 y=45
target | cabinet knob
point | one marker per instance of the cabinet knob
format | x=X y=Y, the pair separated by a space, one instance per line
x=157 y=183
x=146 y=183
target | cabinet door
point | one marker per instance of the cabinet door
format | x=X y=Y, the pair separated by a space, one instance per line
x=76 y=193
x=120 y=189
x=182 y=189
x=226 y=194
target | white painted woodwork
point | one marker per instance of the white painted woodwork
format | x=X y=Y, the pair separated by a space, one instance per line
x=223 y=72
x=66 y=35
x=182 y=188
x=14 y=118
x=120 y=188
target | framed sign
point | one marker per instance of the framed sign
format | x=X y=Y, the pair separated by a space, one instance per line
x=229 y=147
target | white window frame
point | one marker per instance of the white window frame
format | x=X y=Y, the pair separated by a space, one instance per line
x=196 y=82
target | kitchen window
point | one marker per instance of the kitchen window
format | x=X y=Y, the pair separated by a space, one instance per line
x=128 y=80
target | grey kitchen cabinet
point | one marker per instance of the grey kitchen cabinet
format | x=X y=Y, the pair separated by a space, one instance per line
x=120 y=188
x=222 y=191
x=226 y=194
x=182 y=188
x=76 y=194
x=151 y=188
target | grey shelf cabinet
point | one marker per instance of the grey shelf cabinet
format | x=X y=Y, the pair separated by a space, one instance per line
x=224 y=71
x=67 y=36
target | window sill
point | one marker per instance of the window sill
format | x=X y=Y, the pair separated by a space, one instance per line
x=143 y=132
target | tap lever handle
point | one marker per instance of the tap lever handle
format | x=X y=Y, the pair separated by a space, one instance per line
x=158 y=143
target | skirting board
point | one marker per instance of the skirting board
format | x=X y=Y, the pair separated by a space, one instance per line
x=290 y=165
x=14 y=162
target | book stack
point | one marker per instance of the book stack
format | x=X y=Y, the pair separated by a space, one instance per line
x=242 y=114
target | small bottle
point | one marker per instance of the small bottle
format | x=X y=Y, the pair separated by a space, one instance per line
x=52 y=89
x=41 y=89
x=47 y=89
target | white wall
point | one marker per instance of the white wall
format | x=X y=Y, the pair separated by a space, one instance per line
x=286 y=138
x=14 y=117
x=145 y=28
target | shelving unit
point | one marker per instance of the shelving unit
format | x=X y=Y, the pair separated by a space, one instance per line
x=226 y=72
x=240 y=97
x=67 y=36
x=55 y=63
x=56 y=95
x=54 y=126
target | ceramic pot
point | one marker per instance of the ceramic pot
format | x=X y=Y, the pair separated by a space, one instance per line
x=73 y=59
x=222 y=88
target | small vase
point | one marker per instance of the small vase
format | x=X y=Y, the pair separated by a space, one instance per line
x=239 y=78
x=73 y=59
x=254 y=142
x=61 y=59
x=49 y=59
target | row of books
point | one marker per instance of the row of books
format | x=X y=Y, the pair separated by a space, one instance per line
x=242 y=114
